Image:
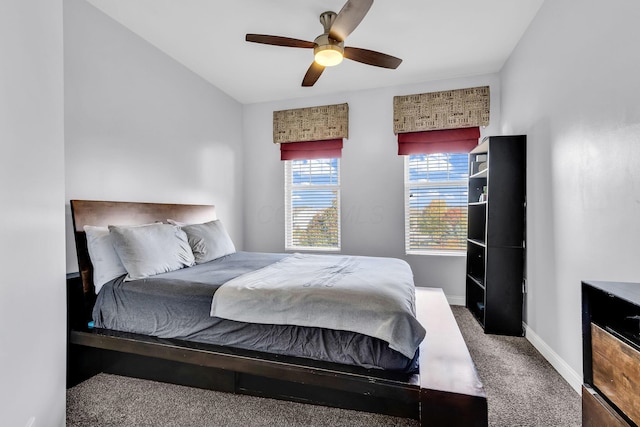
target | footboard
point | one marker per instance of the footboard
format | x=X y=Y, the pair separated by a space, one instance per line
x=451 y=393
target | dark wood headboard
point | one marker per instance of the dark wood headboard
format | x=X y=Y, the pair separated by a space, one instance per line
x=103 y=213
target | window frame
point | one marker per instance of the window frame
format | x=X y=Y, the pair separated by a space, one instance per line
x=290 y=187
x=408 y=185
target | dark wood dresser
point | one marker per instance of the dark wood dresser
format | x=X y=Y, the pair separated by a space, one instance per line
x=611 y=354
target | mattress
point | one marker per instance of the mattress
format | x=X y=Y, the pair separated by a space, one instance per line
x=177 y=305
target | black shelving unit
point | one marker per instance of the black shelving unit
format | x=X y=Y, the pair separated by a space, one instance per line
x=496 y=233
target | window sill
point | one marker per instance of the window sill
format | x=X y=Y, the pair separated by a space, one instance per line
x=437 y=253
x=305 y=249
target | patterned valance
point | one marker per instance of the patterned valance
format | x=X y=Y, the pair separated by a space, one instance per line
x=449 y=109
x=311 y=124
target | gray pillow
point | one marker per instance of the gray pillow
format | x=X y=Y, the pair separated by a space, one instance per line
x=104 y=258
x=209 y=241
x=151 y=249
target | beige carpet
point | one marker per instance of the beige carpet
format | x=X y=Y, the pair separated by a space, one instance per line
x=523 y=389
x=109 y=400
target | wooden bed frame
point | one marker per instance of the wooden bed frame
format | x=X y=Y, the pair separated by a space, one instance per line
x=446 y=392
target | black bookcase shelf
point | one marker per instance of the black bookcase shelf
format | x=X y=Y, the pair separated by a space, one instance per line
x=496 y=230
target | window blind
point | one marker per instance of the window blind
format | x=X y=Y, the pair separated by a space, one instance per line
x=312 y=204
x=436 y=202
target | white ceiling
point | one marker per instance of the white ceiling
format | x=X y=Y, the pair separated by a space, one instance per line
x=437 y=39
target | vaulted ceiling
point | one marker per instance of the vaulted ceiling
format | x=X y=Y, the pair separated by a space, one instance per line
x=437 y=39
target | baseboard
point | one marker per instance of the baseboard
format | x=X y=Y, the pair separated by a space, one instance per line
x=456 y=300
x=571 y=376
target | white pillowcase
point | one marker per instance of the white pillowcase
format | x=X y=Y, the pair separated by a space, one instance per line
x=106 y=263
x=209 y=241
x=151 y=249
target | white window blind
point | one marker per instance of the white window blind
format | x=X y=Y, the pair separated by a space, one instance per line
x=312 y=204
x=436 y=187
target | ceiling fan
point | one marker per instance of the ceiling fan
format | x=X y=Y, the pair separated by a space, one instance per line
x=328 y=47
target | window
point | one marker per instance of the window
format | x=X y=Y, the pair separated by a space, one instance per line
x=436 y=203
x=312 y=204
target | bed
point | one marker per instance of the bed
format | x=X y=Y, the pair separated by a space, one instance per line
x=438 y=385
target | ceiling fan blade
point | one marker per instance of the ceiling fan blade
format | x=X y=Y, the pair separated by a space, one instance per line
x=371 y=57
x=313 y=74
x=348 y=18
x=279 y=41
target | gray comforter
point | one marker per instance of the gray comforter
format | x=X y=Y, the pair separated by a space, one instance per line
x=367 y=295
x=177 y=305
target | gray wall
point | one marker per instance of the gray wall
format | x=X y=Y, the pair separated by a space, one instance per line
x=372 y=181
x=32 y=291
x=141 y=127
x=572 y=86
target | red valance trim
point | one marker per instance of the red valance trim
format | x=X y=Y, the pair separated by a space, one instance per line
x=310 y=150
x=438 y=141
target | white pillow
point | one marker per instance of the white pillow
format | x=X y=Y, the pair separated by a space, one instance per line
x=209 y=241
x=151 y=249
x=106 y=263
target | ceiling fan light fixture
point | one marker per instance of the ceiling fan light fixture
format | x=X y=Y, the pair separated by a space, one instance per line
x=328 y=55
x=327 y=51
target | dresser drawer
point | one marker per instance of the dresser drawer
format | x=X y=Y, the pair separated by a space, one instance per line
x=616 y=371
x=598 y=413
